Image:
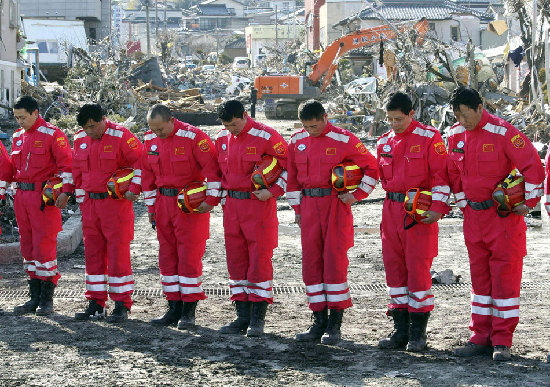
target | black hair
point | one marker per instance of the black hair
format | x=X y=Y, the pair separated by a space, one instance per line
x=311 y=109
x=26 y=102
x=399 y=101
x=230 y=109
x=89 y=111
x=161 y=111
x=467 y=96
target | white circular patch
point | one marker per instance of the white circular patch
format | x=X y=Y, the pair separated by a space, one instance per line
x=224 y=146
x=19 y=142
x=153 y=148
x=83 y=145
x=301 y=147
x=460 y=144
x=386 y=148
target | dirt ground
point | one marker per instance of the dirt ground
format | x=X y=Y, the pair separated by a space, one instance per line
x=58 y=350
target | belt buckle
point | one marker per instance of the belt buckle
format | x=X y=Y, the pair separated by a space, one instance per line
x=316 y=192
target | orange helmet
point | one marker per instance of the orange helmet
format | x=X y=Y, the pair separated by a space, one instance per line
x=266 y=172
x=119 y=183
x=191 y=197
x=51 y=190
x=346 y=176
x=416 y=203
x=509 y=193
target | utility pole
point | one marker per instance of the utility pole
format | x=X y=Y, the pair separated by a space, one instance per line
x=165 y=19
x=276 y=30
x=156 y=19
x=148 y=28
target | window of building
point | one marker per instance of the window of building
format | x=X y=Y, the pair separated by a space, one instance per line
x=455 y=33
x=14 y=14
x=49 y=47
x=93 y=33
x=42 y=47
x=53 y=47
x=432 y=26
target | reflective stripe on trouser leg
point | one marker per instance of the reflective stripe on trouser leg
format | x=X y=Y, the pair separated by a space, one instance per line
x=38 y=235
x=407 y=256
x=250 y=228
x=182 y=240
x=326 y=234
x=96 y=288
x=496 y=247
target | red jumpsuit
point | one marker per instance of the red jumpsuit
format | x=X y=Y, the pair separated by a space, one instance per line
x=38 y=154
x=107 y=224
x=478 y=160
x=415 y=158
x=6 y=172
x=170 y=164
x=326 y=222
x=250 y=225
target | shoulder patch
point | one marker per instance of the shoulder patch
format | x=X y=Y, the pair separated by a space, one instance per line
x=132 y=143
x=279 y=148
x=361 y=148
x=518 y=141
x=440 y=148
x=204 y=145
x=61 y=142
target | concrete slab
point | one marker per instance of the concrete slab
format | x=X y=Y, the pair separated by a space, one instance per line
x=67 y=241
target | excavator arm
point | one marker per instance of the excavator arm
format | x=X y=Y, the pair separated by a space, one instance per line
x=328 y=62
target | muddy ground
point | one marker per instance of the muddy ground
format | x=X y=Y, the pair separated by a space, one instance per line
x=57 y=350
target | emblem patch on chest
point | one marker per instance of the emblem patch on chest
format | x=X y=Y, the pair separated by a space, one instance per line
x=180 y=150
x=108 y=148
x=415 y=149
x=488 y=147
x=330 y=151
x=250 y=150
x=38 y=144
x=386 y=148
x=301 y=147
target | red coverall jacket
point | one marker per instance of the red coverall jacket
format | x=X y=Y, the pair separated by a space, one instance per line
x=250 y=225
x=415 y=158
x=186 y=155
x=478 y=160
x=6 y=172
x=107 y=224
x=326 y=222
x=38 y=154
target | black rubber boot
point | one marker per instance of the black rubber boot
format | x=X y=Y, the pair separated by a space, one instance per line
x=93 y=311
x=188 y=315
x=399 y=337
x=172 y=315
x=120 y=313
x=333 y=334
x=45 y=307
x=240 y=324
x=316 y=331
x=417 y=333
x=35 y=288
x=257 y=319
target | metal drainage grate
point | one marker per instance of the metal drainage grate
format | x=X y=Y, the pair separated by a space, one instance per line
x=224 y=291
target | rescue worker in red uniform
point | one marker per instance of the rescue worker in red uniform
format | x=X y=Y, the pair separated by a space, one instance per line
x=483 y=150
x=39 y=151
x=410 y=156
x=6 y=176
x=249 y=216
x=177 y=154
x=99 y=149
x=324 y=216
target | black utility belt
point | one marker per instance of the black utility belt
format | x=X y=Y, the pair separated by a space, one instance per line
x=479 y=206
x=395 y=196
x=317 y=192
x=28 y=186
x=169 y=191
x=239 y=194
x=98 y=195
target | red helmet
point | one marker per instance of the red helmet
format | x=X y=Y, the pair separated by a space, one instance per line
x=346 y=176
x=51 y=190
x=509 y=193
x=417 y=202
x=191 y=197
x=119 y=183
x=266 y=172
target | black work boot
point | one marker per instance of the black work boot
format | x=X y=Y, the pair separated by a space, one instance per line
x=188 y=315
x=316 y=331
x=120 y=313
x=172 y=315
x=417 y=333
x=240 y=324
x=257 y=319
x=93 y=311
x=400 y=335
x=35 y=288
x=45 y=307
x=332 y=334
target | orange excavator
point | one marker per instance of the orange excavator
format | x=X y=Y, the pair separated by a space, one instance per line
x=283 y=93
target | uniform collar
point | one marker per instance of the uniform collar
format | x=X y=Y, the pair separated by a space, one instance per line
x=328 y=128
x=483 y=121
x=412 y=126
x=37 y=124
x=249 y=124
